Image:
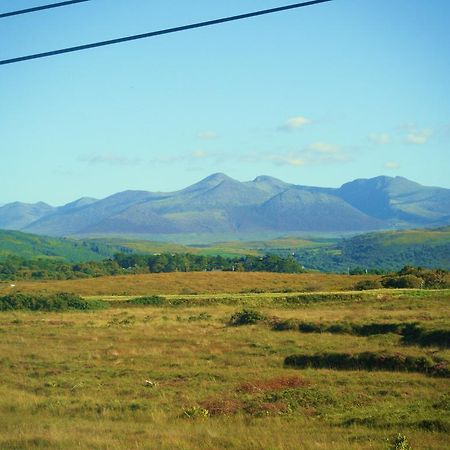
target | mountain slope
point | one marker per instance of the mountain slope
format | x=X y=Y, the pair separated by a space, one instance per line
x=296 y=209
x=75 y=220
x=397 y=199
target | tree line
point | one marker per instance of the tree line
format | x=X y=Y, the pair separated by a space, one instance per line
x=16 y=268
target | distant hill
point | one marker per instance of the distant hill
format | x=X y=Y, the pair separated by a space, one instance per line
x=221 y=205
x=29 y=246
x=389 y=250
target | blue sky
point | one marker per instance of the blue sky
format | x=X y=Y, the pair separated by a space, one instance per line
x=318 y=96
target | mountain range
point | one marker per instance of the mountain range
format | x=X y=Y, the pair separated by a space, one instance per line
x=220 y=204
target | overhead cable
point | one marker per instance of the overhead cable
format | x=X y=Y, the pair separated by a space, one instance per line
x=161 y=32
x=40 y=8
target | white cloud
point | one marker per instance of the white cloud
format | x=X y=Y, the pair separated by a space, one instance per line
x=418 y=137
x=323 y=148
x=199 y=154
x=391 y=165
x=379 y=138
x=317 y=153
x=208 y=135
x=286 y=160
x=295 y=123
x=314 y=154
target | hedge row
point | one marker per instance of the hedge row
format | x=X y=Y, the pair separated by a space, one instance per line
x=370 y=361
x=411 y=332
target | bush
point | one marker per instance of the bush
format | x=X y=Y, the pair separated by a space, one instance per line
x=403 y=282
x=246 y=317
x=284 y=325
x=55 y=302
x=365 y=285
x=152 y=300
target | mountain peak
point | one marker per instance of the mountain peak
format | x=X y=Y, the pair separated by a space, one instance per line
x=268 y=179
x=209 y=182
x=217 y=177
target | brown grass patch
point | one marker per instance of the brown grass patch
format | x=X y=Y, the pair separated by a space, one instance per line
x=222 y=406
x=272 y=385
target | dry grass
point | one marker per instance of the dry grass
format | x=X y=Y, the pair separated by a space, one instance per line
x=191 y=283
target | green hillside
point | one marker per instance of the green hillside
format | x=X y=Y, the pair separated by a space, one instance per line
x=389 y=250
x=30 y=246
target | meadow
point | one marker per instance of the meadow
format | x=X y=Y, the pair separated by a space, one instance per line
x=177 y=373
x=190 y=283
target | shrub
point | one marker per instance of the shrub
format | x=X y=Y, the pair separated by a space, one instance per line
x=283 y=325
x=365 y=285
x=246 y=317
x=152 y=300
x=403 y=281
x=56 y=302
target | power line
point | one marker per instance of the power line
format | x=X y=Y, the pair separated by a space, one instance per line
x=161 y=32
x=40 y=8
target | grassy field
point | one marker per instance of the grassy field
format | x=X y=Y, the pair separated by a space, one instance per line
x=178 y=376
x=190 y=283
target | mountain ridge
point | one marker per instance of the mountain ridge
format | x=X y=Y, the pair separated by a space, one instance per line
x=219 y=203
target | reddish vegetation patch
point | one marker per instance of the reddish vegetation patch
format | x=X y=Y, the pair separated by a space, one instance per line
x=222 y=406
x=274 y=384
